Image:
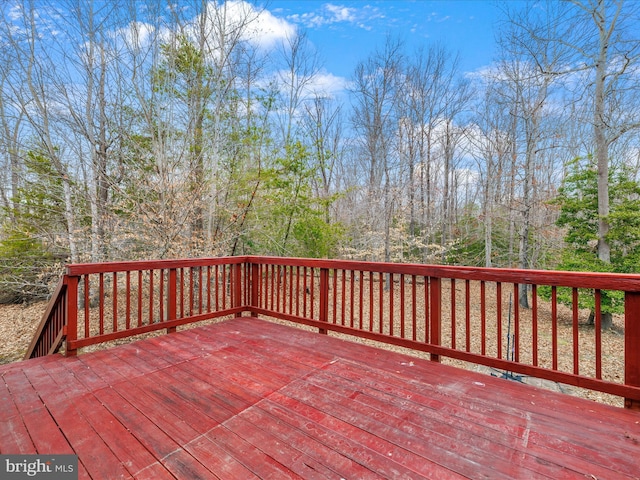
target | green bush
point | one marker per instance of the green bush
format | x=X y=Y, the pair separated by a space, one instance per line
x=578 y=202
x=26 y=268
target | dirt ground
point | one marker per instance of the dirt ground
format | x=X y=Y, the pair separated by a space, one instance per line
x=17 y=326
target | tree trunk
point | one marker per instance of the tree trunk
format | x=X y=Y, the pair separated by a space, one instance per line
x=446 y=192
x=602 y=148
x=488 y=216
x=606 y=320
x=68 y=211
x=525 y=228
x=602 y=153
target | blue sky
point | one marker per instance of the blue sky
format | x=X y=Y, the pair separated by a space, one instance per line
x=345 y=32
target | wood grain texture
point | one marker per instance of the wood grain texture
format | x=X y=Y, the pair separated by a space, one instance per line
x=246 y=398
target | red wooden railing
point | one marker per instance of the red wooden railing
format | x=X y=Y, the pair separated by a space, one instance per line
x=51 y=331
x=109 y=301
x=458 y=312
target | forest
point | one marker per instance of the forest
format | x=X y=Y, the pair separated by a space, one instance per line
x=145 y=129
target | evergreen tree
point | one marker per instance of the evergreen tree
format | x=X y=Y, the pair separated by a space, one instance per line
x=32 y=244
x=578 y=202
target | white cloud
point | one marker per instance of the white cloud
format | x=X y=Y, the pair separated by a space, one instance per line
x=309 y=20
x=322 y=84
x=136 y=35
x=328 y=85
x=263 y=29
x=341 y=14
x=46 y=18
x=330 y=14
x=15 y=12
x=238 y=20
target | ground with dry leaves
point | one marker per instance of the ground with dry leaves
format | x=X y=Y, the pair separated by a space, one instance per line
x=17 y=326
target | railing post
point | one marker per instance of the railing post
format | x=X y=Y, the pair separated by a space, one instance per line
x=72 y=315
x=324 y=298
x=255 y=282
x=435 y=314
x=172 y=296
x=237 y=287
x=632 y=345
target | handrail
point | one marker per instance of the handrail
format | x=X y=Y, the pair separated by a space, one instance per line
x=50 y=333
x=600 y=280
x=76 y=269
x=445 y=311
x=147 y=296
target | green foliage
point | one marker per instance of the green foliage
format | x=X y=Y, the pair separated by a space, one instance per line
x=31 y=242
x=316 y=238
x=24 y=267
x=38 y=206
x=469 y=247
x=39 y=203
x=292 y=219
x=183 y=72
x=578 y=201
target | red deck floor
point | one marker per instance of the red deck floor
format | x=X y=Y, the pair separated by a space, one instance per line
x=246 y=398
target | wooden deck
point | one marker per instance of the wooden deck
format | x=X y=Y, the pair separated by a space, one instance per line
x=247 y=398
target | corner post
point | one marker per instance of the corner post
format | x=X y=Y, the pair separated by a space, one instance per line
x=435 y=314
x=324 y=298
x=72 y=316
x=172 y=295
x=255 y=283
x=632 y=345
x=237 y=287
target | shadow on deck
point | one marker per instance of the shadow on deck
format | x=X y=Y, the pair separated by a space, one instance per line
x=247 y=398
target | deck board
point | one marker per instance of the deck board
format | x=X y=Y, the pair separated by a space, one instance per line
x=246 y=398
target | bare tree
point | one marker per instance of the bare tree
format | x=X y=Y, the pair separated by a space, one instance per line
x=432 y=96
x=491 y=147
x=89 y=91
x=375 y=119
x=184 y=64
x=11 y=119
x=35 y=70
x=527 y=77
x=323 y=126
x=456 y=101
x=600 y=52
x=295 y=80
